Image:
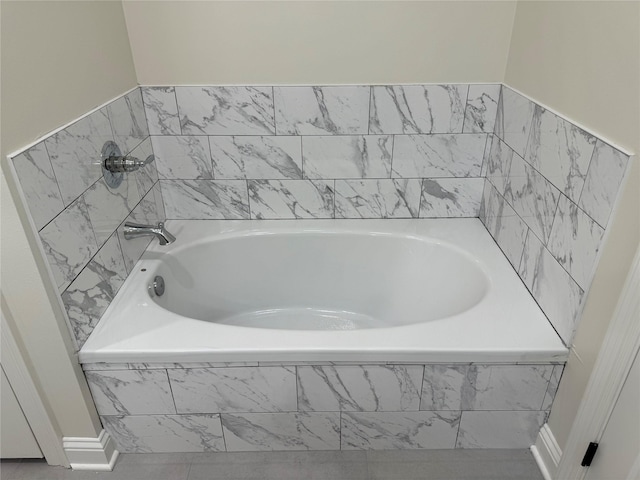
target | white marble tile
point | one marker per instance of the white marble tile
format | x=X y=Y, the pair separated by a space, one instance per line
x=76 y=153
x=499 y=164
x=451 y=197
x=162 y=110
x=504 y=224
x=387 y=198
x=282 y=199
x=165 y=433
x=499 y=429
x=128 y=120
x=39 y=184
x=205 y=199
x=399 y=430
x=228 y=390
x=556 y=292
x=532 y=196
x=418 y=109
x=157 y=193
x=438 y=155
x=505 y=387
x=281 y=431
x=560 y=151
x=87 y=367
x=359 y=388
x=552 y=389
x=350 y=156
x=147 y=176
x=108 y=207
x=131 y=392
x=89 y=295
x=256 y=157
x=482 y=106
x=442 y=387
x=182 y=157
x=322 y=110
x=146 y=213
x=69 y=243
x=575 y=241
x=225 y=110
x=513 y=120
x=485 y=155
x=606 y=171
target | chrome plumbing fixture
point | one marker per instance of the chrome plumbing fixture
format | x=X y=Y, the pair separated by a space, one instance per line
x=114 y=164
x=134 y=230
x=156 y=288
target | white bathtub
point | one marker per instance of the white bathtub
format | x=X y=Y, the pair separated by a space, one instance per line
x=424 y=291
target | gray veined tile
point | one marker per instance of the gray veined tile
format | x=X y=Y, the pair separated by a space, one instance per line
x=128 y=120
x=513 y=120
x=147 y=176
x=146 y=212
x=322 y=110
x=532 y=196
x=244 y=389
x=482 y=106
x=504 y=225
x=282 y=199
x=560 y=151
x=443 y=155
x=399 y=430
x=281 y=431
x=205 y=199
x=499 y=429
x=182 y=157
x=418 y=109
x=485 y=155
x=359 y=388
x=505 y=387
x=225 y=110
x=162 y=110
x=165 y=433
x=499 y=164
x=451 y=197
x=131 y=392
x=89 y=295
x=76 y=151
x=442 y=387
x=39 y=184
x=108 y=207
x=552 y=389
x=352 y=156
x=386 y=198
x=157 y=193
x=559 y=296
x=603 y=182
x=256 y=157
x=575 y=241
x=69 y=243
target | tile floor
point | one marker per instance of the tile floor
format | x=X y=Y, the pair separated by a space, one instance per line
x=373 y=465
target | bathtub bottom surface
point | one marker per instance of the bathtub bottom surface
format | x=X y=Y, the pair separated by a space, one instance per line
x=303 y=319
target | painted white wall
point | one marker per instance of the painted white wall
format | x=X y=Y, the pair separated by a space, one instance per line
x=318 y=42
x=59 y=60
x=583 y=59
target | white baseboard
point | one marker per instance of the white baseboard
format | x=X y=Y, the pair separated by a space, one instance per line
x=87 y=453
x=547 y=453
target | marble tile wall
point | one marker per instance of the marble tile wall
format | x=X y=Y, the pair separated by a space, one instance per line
x=549 y=193
x=288 y=152
x=78 y=218
x=249 y=407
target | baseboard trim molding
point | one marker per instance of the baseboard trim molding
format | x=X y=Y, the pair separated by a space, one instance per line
x=547 y=453
x=88 y=453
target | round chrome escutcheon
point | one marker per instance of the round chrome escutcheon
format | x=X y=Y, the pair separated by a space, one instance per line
x=110 y=149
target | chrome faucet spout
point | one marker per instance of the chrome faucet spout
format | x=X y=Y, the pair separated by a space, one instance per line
x=134 y=230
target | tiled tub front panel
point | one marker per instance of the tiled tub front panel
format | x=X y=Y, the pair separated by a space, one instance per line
x=322 y=407
x=549 y=192
x=78 y=218
x=285 y=152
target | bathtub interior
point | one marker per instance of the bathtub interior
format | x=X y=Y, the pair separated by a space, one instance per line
x=320 y=281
